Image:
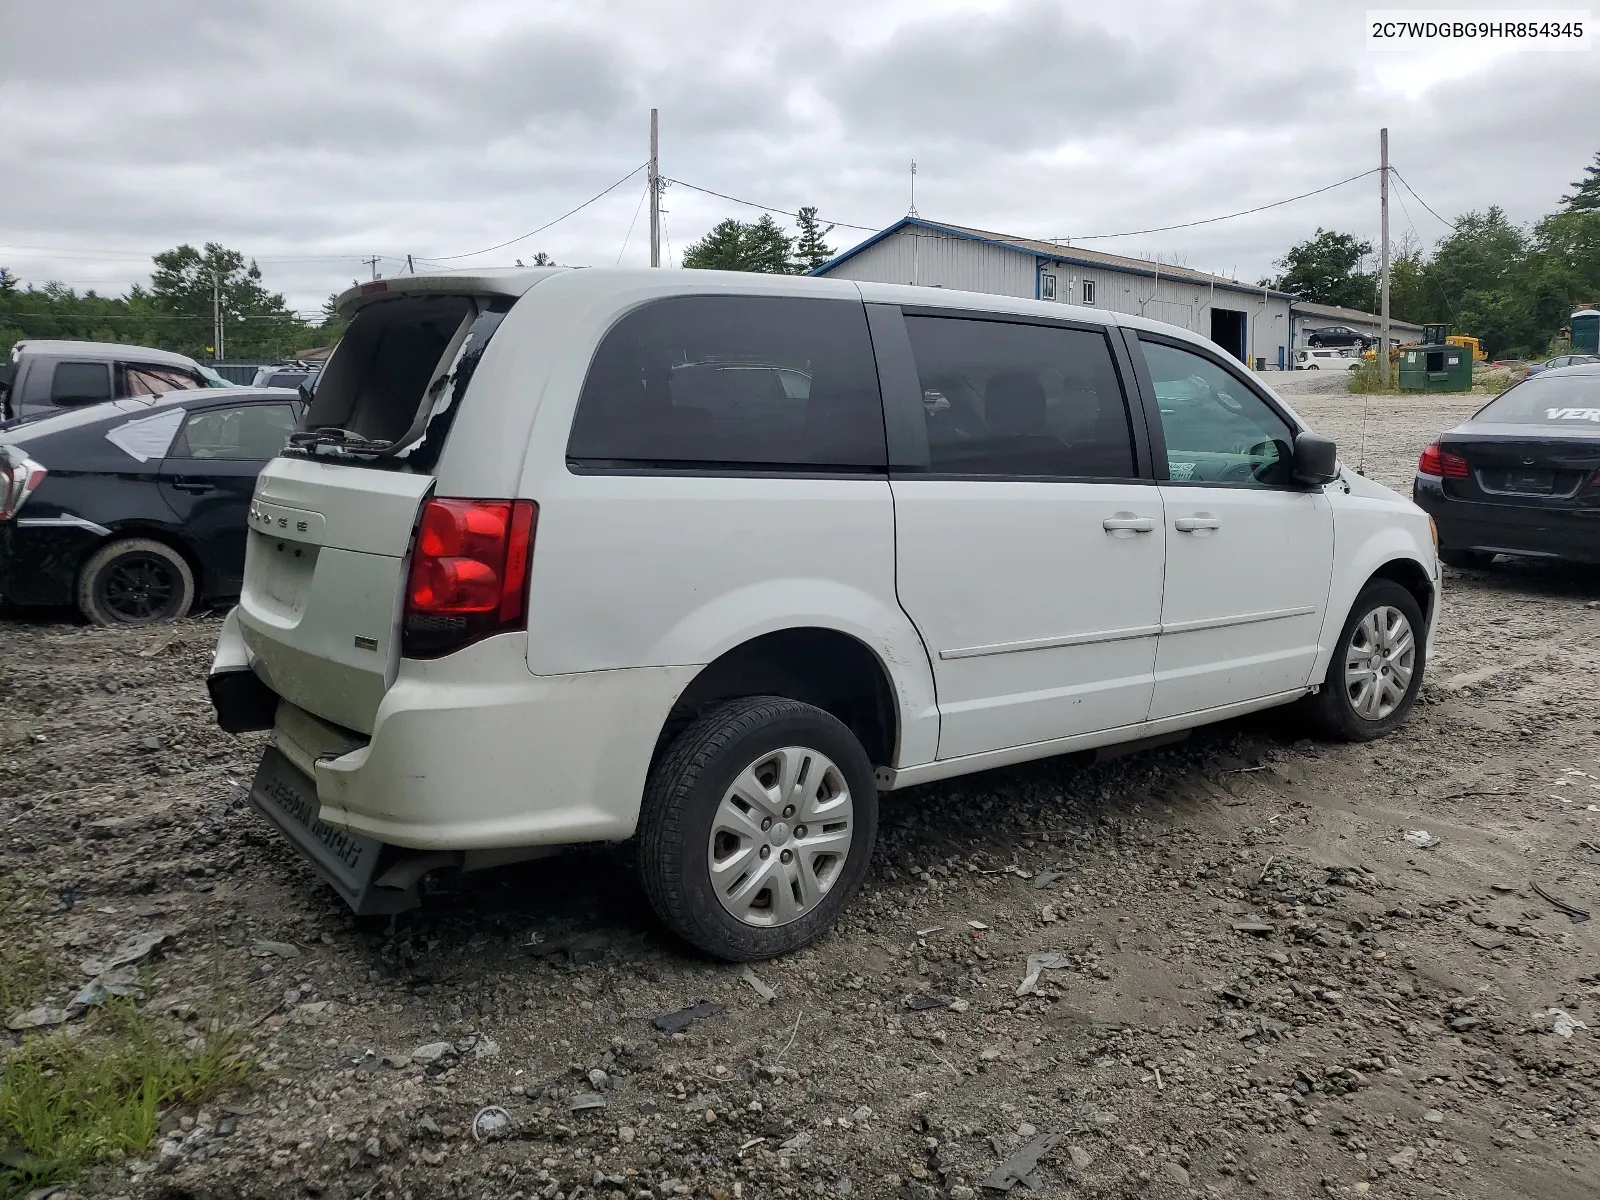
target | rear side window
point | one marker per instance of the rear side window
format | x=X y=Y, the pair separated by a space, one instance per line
x=1031 y=400
x=80 y=383
x=252 y=432
x=756 y=381
x=147 y=379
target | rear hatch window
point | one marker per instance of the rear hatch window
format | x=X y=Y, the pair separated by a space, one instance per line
x=393 y=387
x=1552 y=400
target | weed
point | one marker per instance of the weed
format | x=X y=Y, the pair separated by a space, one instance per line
x=72 y=1099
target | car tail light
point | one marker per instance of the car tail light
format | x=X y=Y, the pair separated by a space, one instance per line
x=1443 y=464
x=469 y=574
x=20 y=477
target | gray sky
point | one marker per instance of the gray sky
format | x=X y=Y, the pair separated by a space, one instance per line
x=312 y=133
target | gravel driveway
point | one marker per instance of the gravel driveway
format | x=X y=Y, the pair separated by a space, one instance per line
x=1253 y=981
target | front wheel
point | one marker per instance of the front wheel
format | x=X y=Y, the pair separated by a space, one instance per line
x=1377 y=666
x=757 y=826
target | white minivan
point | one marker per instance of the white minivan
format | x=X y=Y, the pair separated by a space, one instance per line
x=710 y=560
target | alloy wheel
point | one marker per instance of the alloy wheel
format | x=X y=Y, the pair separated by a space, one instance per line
x=138 y=588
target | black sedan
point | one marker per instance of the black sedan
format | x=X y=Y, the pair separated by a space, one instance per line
x=1522 y=476
x=1337 y=335
x=135 y=509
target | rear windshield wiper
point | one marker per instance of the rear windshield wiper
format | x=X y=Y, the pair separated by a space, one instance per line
x=332 y=440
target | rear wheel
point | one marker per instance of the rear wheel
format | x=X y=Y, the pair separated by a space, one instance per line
x=136 y=581
x=1464 y=558
x=1377 y=666
x=757 y=827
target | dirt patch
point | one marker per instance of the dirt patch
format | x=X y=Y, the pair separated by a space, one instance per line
x=1249 y=980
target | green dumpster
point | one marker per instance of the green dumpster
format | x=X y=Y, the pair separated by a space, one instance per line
x=1436 y=368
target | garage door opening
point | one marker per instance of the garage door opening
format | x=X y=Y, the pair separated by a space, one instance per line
x=1227 y=331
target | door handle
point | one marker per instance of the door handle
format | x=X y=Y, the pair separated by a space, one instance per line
x=1196 y=523
x=1130 y=522
x=194 y=486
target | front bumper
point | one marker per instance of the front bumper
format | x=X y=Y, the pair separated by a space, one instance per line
x=1573 y=536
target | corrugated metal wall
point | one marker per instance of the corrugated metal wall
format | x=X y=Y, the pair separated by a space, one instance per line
x=935 y=260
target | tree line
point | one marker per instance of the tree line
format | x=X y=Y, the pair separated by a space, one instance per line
x=1511 y=286
x=173 y=313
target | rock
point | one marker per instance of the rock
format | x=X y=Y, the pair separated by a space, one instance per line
x=1175 y=1173
x=275 y=949
x=1462 y=1024
x=1421 y=839
x=486 y=1047
x=861 y=1115
x=626 y=1134
x=1433 y=1116
x=1080 y=1157
x=962 y=1192
x=41 y=1017
x=1404 y=1158
x=599 y=1080
x=432 y=1052
x=1254 y=928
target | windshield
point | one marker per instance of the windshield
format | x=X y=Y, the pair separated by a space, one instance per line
x=1555 y=400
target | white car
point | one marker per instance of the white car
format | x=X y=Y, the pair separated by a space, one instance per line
x=1325 y=360
x=710 y=560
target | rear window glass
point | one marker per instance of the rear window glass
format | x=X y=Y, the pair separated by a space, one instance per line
x=738 y=380
x=1546 y=400
x=81 y=383
x=287 y=379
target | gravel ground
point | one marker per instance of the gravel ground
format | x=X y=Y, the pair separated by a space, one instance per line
x=1258 y=986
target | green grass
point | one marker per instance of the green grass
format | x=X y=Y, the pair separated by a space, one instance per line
x=1365 y=380
x=96 y=1090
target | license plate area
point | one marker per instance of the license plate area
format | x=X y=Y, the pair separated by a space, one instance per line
x=349 y=862
x=1530 y=483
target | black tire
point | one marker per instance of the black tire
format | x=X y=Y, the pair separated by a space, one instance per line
x=1465 y=559
x=681 y=801
x=1331 y=709
x=135 y=581
x=1316 y=341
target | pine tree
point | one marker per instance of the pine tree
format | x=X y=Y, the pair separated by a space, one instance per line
x=736 y=246
x=810 y=251
x=1586 y=191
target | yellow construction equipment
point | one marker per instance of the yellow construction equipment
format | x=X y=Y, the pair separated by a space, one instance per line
x=1461 y=339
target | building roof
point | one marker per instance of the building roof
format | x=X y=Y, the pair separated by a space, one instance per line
x=1333 y=312
x=1054 y=251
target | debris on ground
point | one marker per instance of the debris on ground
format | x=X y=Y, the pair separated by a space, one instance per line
x=1577 y=914
x=758 y=985
x=1421 y=839
x=1019 y=1168
x=677 y=1022
x=1051 y=961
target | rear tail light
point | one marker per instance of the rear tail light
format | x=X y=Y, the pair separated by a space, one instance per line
x=469 y=574
x=1442 y=464
x=20 y=477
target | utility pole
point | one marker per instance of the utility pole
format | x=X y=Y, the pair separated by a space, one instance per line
x=912 y=211
x=373 y=263
x=655 y=189
x=216 y=315
x=1383 y=264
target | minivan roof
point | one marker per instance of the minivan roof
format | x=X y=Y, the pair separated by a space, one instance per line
x=515 y=281
x=104 y=350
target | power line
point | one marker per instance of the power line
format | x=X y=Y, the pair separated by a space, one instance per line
x=542 y=228
x=770 y=208
x=636 y=210
x=1094 y=237
x=1419 y=199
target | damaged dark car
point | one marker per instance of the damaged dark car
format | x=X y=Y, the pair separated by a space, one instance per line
x=135 y=511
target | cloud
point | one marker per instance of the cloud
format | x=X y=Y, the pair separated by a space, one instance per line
x=311 y=135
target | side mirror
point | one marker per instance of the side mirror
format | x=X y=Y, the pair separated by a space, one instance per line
x=1316 y=459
